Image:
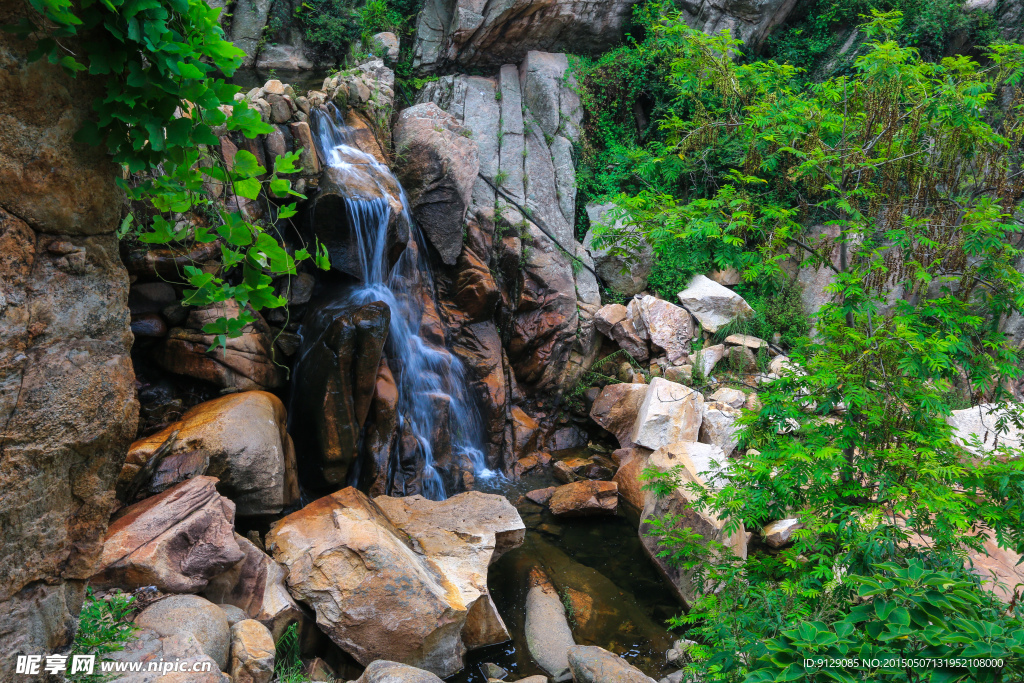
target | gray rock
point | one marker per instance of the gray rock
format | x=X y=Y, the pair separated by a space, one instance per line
x=982 y=421
x=247 y=21
x=382 y=671
x=713 y=305
x=548 y=636
x=718 y=427
x=624 y=272
x=180 y=614
x=751 y=22
x=234 y=614
x=707 y=358
x=592 y=664
x=285 y=55
x=386 y=42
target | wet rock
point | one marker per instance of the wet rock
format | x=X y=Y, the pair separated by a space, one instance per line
x=252 y=653
x=616 y=409
x=148 y=325
x=526 y=464
x=669 y=413
x=354 y=566
x=438 y=164
x=244 y=440
x=718 y=426
x=627 y=477
x=381 y=433
x=778 y=533
x=256 y=586
x=541 y=496
x=148 y=647
x=592 y=664
x=246 y=363
x=669 y=327
x=679 y=502
x=548 y=637
x=707 y=358
x=713 y=305
x=525 y=431
x=731 y=397
x=335 y=382
x=626 y=272
x=177 y=540
x=585 y=498
x=181 y=614
x=392 y=672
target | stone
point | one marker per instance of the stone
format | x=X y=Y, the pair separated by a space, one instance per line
x=982 y=422
x=751 y=23
x=741 y=359
x=669 y=413
x=679 y=503
x=180 y=614
x=548 y=637
x=616 y=408
x=592 y=664
x=382 y=671
x=608 y=316
x=713 y=305
x=460 y=33
x=680 y=374
x=778 y=533
x=244 y=363
x=244 y=439
x=753 y=343
x=731 y=397
x=148 y=325
x=541 y=496
x=718 y=426
x=387 y=43
x=493 y=671
x=627 y=477
x=247 y=23
x=437 y=164
x=630 y=340
x=728 y=277
x=627 y=260
x=148 y=647
x=256 y=587
x=525 y=431
x=252 y=653
x=707 y=358
x=780 y=365
x=286 y=55
x=176 y=540
x=150 y=297
x=233 y=614
x=669 y=327
x=378 y=598
x=585 y=498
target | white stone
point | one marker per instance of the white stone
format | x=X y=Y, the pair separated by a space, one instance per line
x=719 y=426
x=981 y=421
x=713 y=305
x=669 y=327
x=707 y=358
x=669 y=413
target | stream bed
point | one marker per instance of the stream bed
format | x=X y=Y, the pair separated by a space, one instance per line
x=614 y=596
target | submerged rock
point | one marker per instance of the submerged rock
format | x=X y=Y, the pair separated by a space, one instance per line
x=176 y=540
x=592 y=664
x=548 y=636
x=402 y=590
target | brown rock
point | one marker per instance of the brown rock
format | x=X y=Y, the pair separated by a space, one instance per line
x=584 y=498
x=252 y=653
x=669 y=327
x=190 y=614
x=541 y=496
x=246 y=363
x=525 y=464
x=525 y=431
x=303 y=137
x=616 y=409
x=169 y=263
x=628 y=476
x=244 y=439
x=177 y=540
x=778 y=533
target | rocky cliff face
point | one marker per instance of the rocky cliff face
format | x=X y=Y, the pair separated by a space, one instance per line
x=67 y=404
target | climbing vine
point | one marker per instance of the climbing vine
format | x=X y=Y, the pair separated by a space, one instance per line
x=163 y=101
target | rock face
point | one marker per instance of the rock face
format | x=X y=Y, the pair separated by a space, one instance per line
x=585 y=498
x=459 y=32
x=244 y=440
x=669 y=413
x=679 y=503
x=982 y=422
x=247 y=22
x=177 y=540
x=713 y=305
x=751 y=22
x=252 y=652
x=67 y=405
x=592 y=664
x=616 y=409
x=181 y=614
x=406 y=590
x=438 y=167
x=623 y=264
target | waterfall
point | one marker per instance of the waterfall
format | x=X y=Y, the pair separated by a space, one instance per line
x=425 y=375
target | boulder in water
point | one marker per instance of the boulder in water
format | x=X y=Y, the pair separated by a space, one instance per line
x=585 y=498
x=548 y=636
x=592 y=664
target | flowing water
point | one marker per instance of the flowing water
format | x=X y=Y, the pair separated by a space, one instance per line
x=425 y=372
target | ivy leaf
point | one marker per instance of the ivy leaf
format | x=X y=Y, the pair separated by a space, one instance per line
x=248 y=188
x=246 y=165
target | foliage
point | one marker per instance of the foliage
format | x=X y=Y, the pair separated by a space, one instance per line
x=104 y=626
x=914 y=169
x=288 y=666
x=329 y=26
x=156 y=117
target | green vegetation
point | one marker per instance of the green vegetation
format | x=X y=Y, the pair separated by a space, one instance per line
x=156 y=59
x=104 y=626
x=914 y=166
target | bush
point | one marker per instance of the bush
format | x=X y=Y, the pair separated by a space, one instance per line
x=104 y=626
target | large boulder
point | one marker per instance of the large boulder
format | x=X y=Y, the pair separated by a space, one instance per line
x=67 y=403
x=670 y=412
x=548 y=637
x=625 y=258
x=243 y=440
x=402 y=594
x=256 y=586
x=177 y=540
x=592 y=664
x=585 y=498
x=437 y=164
x=751 y=22
x=718 y=427
x=252 y=652
x=195 y=666
x=392 y=672
x=616 y=322
x=713 y=305
x=450 y=33
x=181 y=614
x=244 y=362
x=669 y=327
x=632 y=463
x=616 y=409
x=677 y=458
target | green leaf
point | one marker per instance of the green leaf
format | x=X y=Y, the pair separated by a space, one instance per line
x=248 y=188
x=246 y=165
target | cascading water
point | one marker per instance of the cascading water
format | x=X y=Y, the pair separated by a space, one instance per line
x=425 y=375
